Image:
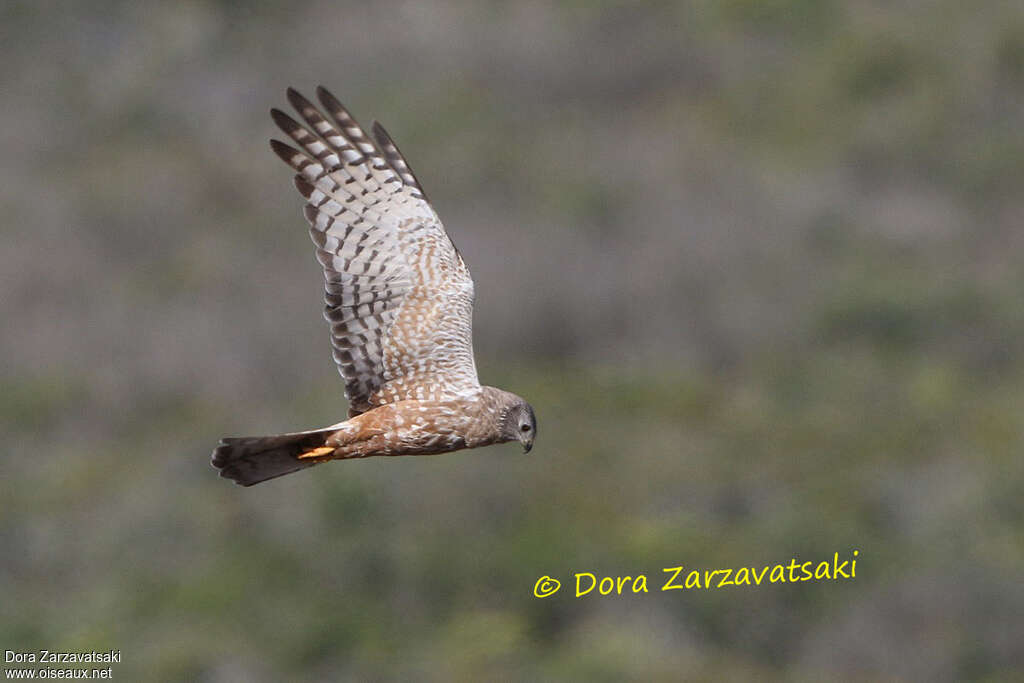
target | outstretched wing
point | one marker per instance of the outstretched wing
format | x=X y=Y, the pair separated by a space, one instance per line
x=399 y=297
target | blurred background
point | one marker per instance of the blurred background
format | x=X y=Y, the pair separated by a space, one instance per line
x=757 y=265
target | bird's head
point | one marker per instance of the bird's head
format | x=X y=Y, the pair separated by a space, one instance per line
x=518 y=422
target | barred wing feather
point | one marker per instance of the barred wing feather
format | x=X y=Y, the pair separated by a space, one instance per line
x=399 y=296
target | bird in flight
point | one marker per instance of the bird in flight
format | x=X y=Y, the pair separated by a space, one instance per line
x=399 y=303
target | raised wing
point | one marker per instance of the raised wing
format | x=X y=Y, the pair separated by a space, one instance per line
x=399 y=297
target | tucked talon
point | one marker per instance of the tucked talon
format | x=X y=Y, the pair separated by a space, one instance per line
x=317 y=452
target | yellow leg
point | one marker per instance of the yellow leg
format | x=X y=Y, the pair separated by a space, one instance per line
x=317 y=452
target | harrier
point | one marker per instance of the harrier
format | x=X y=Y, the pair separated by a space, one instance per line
x=399 y=303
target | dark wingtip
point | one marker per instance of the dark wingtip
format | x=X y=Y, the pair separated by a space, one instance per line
x=381 y=136
x=310 y=213
x=304 y=187
x=284 y=151
x=327 y=99
x=283 y=121
x=298 y=101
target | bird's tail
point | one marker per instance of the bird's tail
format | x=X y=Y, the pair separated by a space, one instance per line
x=248 y=460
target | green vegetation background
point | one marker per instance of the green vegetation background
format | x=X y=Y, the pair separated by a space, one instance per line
x=757 y=265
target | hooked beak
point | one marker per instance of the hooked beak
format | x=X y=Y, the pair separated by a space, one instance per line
x=527 y=445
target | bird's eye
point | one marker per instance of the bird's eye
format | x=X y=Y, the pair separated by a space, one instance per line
x=525 y=428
